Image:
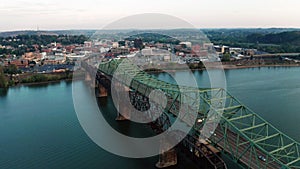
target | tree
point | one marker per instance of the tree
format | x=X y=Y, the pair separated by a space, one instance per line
x=226 y=57
x=3 y=80
x=11 y=69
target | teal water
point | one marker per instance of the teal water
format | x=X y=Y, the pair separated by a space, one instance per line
x=39 y=127
x=40 y=130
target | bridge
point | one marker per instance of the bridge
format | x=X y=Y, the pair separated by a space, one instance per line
x=241 y=134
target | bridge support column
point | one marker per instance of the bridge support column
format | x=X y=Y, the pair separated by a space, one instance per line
x=89 y=81
x=123 y=113
x=102 y=91
x=88 y=77
x=120 y=117
x=124 y=110
x=166 y=158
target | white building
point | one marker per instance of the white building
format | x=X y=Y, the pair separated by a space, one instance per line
x=187 y=44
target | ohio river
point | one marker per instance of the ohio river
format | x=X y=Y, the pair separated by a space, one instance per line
x=39 y=127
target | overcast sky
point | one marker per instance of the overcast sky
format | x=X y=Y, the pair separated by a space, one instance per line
x=94 y=14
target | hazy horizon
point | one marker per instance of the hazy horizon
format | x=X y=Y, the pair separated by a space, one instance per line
x=93 y=14
x=41 y=30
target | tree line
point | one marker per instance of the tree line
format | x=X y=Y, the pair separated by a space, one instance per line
x=24 y=43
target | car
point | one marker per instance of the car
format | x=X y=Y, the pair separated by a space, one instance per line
x=212 y=133
x=262 y=158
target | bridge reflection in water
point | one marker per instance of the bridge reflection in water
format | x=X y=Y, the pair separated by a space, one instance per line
x=241 y=134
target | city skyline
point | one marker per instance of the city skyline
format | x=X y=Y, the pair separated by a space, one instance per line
x=91 y=14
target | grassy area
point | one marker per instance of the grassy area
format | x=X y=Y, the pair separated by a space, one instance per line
x=38 y=78
x=35 y=78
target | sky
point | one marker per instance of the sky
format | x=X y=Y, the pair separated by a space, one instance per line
x=96 y=14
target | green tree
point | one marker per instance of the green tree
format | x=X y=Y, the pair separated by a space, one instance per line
x=3 y=80
x=226 y=57
x=11 y=70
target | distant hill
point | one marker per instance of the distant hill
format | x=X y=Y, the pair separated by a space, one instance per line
x=273 y=40
x=56 y=32
x=154 y=37
x=216 y=34
x=284 y=38
x=16 y=33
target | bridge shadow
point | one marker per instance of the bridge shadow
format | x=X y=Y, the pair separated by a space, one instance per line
x=126 y=127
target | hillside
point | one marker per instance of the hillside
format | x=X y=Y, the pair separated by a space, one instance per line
x=16 y=33
x=284 y=38
x=56 y=32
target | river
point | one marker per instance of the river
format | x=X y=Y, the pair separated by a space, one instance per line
x=39 y=127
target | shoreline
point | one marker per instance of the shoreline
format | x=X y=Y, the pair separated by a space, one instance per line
x=224 y=67
x=38 y=83
x=46 y=82
x=231 y=67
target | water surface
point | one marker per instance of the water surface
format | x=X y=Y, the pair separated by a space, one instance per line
x=39 y=127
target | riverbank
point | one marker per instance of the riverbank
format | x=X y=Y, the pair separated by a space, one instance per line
x=47 y=82
x=216 y=65
x=37 y=78
x=248 y=63
x=229 y=67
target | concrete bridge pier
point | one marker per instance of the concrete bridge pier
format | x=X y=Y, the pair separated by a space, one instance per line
x=167 y=157
x=88 y=77
x=102 y=91
x=120 y=117
x=124 y=110
x=89 y=80
x=123 y=113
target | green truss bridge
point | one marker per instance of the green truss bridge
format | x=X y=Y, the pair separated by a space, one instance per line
x=241 y=134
